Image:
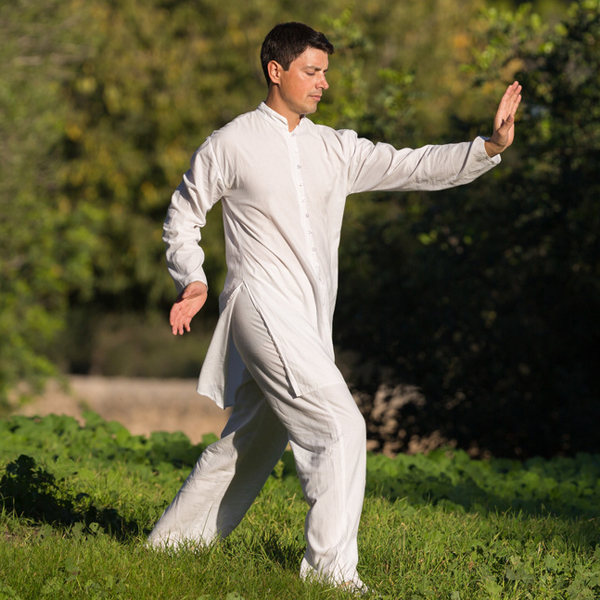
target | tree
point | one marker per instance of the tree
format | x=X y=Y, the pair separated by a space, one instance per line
x=489 y=299
x=45 y=249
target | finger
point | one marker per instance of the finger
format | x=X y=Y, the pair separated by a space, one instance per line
x=515 y=100
x=510 y=96
x=516 y=103
x=512 y=93
x=176 y=321
x=180 y=320
x=506 y=112
x=512 y=111
x=513 y=89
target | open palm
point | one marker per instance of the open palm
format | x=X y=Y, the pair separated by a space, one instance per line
x=187 y=305
x=504 y=121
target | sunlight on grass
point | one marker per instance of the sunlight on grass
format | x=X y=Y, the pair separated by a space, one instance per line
x=78 y=502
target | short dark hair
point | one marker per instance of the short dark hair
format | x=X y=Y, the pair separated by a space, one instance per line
x=287 y=41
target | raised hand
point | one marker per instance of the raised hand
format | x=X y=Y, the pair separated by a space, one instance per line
x=188 y=303
x=504 y=121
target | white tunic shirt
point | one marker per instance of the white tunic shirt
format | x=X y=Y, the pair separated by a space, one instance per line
x=283 y=196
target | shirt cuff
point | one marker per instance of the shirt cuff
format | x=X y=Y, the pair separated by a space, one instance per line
x=480 y=147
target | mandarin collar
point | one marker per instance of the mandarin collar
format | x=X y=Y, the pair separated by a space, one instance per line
x=278 y=119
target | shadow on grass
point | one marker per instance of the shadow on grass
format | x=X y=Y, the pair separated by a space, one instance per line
x=288 y=555
x=559 y=487
x=270 y=544
x=29 y=491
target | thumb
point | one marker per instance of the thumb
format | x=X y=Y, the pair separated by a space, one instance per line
x=508 y=122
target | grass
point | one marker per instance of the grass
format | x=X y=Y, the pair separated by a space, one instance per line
x=79 y=502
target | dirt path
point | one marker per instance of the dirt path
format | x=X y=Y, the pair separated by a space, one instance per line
x=141 y=405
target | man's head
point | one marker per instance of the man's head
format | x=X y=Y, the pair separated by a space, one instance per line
x=287 y=41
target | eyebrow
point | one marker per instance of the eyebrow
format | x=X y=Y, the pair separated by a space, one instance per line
x=315 y=68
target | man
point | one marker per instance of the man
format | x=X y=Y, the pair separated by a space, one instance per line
x=283 y=182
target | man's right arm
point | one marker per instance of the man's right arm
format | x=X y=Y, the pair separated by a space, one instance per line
x=200 y=189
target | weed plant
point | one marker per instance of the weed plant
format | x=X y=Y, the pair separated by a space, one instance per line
x=78 y=501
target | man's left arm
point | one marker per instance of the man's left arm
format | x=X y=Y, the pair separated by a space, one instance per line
x=381 y=167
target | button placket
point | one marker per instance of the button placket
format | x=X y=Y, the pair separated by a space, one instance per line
x=300 y=190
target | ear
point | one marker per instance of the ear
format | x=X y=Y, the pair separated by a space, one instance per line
x=274 y=70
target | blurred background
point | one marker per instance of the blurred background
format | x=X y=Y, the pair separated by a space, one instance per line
x=467 y=317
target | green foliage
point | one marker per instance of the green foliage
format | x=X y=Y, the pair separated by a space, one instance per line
x=63 y=478
x=488 y=296
x=78 y=501
x=44 y=250
x=103 y=105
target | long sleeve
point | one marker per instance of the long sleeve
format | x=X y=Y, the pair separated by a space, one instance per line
x=382 y=167
x=200 y=188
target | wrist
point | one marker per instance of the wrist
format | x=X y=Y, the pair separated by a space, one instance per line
x=491 y=148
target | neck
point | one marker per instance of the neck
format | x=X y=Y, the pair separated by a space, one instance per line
x=274 y=102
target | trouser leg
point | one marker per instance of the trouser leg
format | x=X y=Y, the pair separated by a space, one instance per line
x=327 y=435
x=332 y=473
x=228 y=475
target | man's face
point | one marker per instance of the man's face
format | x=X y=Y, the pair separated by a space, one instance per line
x=302 y=85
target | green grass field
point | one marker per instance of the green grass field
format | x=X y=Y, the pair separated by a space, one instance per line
x=77 y=503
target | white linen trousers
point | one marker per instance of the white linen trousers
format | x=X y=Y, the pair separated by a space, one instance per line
x=327 y=435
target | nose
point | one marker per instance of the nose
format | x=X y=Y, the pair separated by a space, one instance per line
x=323 y=82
